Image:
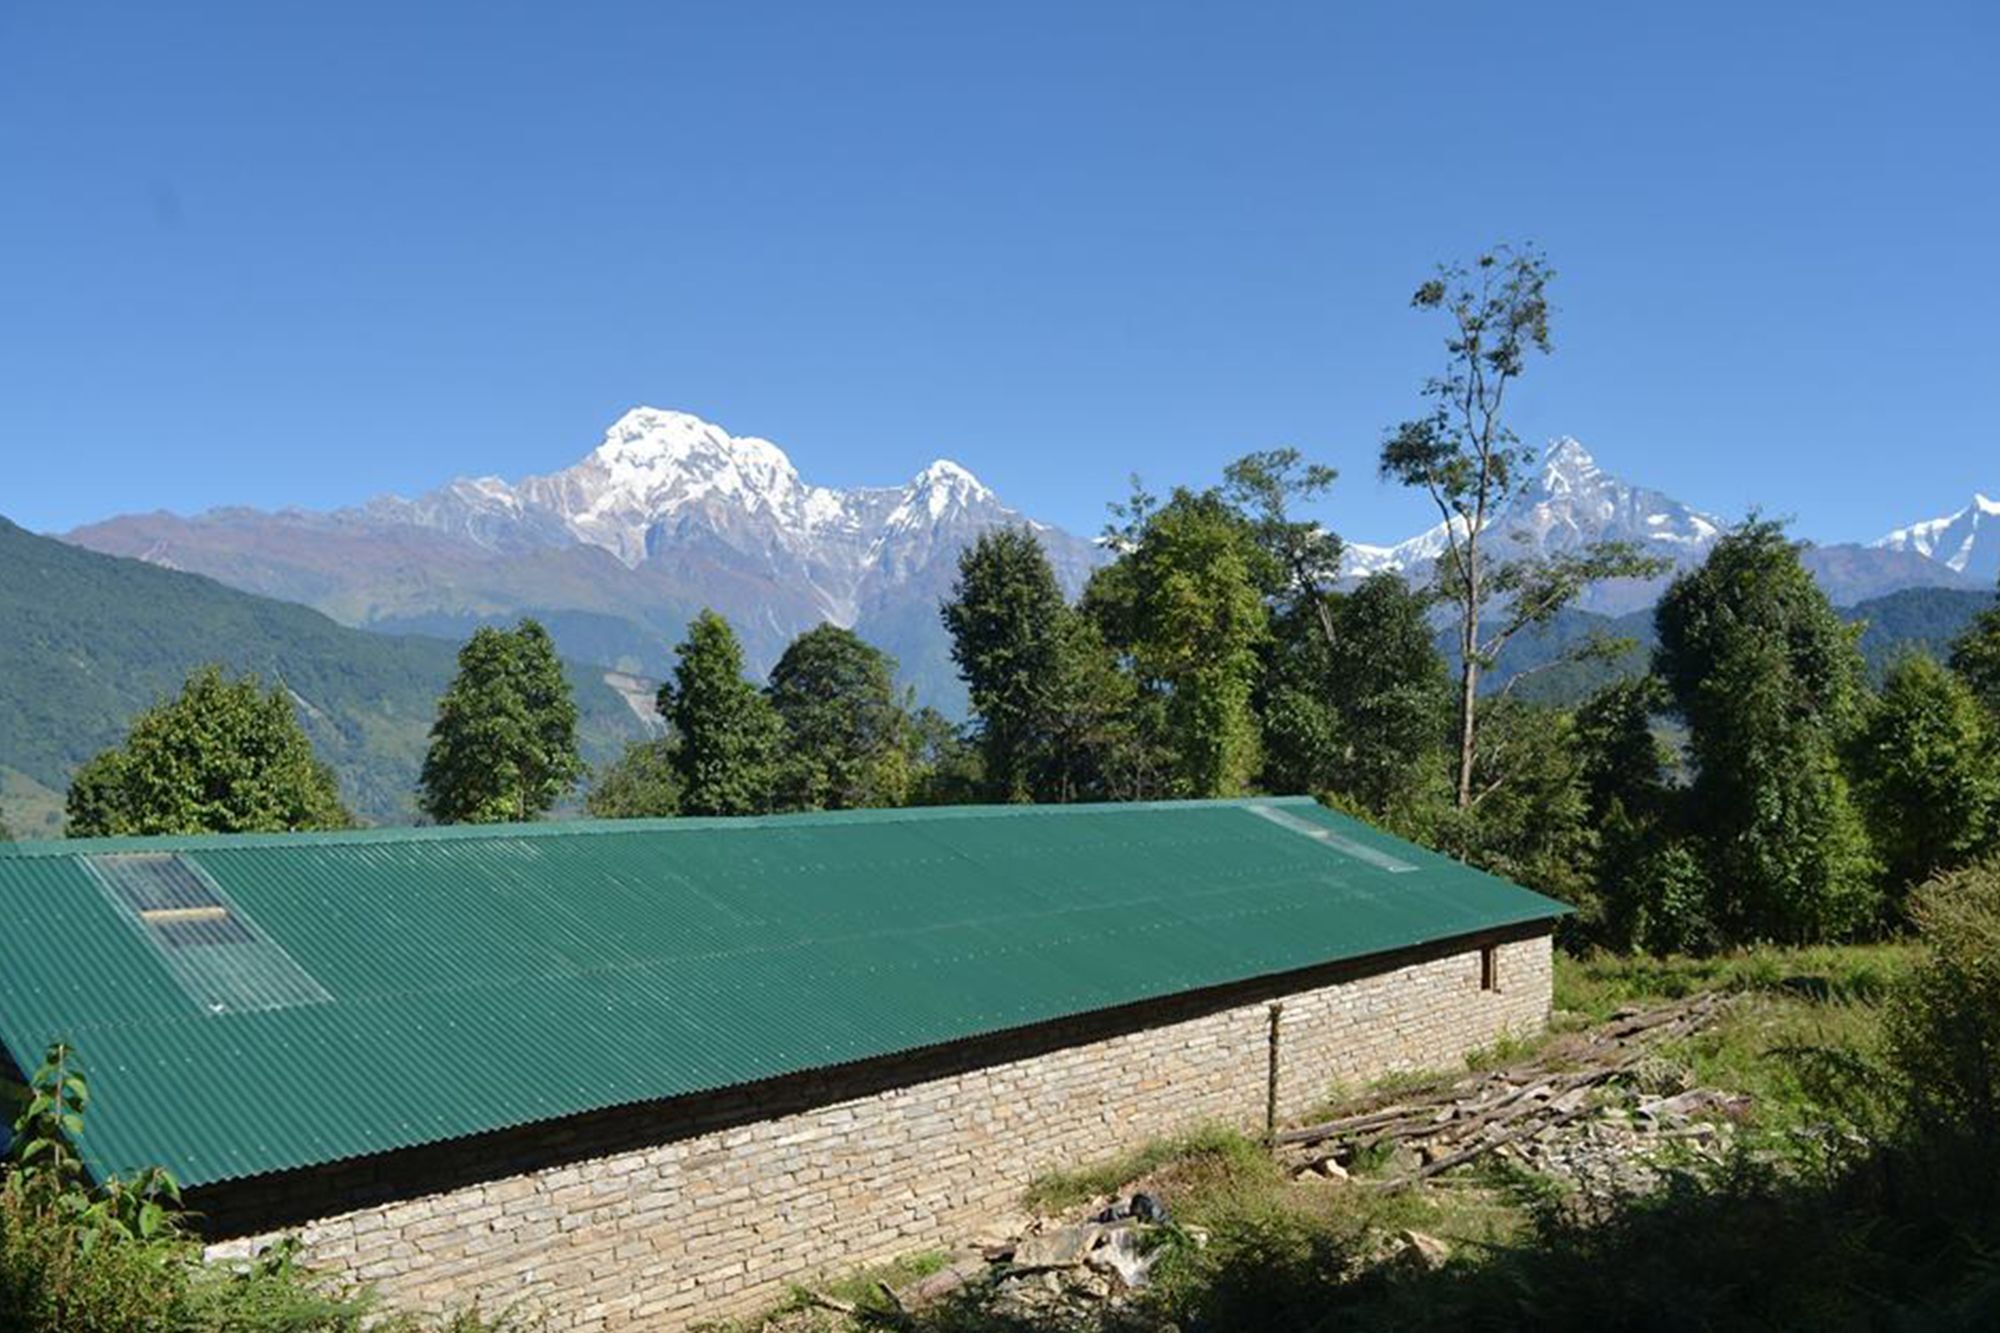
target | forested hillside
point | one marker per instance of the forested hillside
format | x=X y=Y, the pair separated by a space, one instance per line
x=1543 y=660
x=88 y=640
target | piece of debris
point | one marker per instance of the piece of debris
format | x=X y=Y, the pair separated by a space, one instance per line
x=1119 y=1251
x=1063 y=1247
x=1564 y=1111
x=1420 y=1250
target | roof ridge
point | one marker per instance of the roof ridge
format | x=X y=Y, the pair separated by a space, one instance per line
x=414 y=833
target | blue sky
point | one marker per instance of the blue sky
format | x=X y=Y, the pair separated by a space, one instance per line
x=288 y=254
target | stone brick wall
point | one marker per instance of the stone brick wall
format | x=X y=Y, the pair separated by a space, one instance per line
x=702 y=1208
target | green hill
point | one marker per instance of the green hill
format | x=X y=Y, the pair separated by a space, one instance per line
x=88 y=640
x=1913 y=619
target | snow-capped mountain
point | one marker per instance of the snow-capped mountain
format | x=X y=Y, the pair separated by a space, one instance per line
x=662 y=480
x=1570 y=502
x=1967 y=542
x=667 y=514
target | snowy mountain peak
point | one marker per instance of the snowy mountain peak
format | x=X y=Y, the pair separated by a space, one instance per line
x=1967 y=541
x=1567 y=464
x=1569 y=503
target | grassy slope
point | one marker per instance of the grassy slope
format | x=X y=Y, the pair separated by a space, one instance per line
x=88 y=640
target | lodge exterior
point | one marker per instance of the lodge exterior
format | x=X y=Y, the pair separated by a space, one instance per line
x=633 y=1074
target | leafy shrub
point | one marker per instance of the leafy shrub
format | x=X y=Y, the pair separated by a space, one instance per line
x=1944 y=1019
x=78 y=1257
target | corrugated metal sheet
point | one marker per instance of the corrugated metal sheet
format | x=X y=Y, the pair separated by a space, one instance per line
x=477 y=978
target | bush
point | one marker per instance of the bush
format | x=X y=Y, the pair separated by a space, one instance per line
x=1943 y=1021
x=78 y=1257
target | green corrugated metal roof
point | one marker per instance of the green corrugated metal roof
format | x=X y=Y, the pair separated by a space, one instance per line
x=422 y=985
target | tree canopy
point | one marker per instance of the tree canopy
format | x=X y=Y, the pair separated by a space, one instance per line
x=1005 y=619
x=224 y=756
x=503 y=746
x=727 y=737
x=847 y=735
x=1768 y=680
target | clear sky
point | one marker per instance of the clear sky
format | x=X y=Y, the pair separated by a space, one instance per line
x=300 y=254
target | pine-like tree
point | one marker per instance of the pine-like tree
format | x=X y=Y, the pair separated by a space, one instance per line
x=503 y=747
x=727 y=739
x=1004 y=617
x=1768 y=678
x=224 y=756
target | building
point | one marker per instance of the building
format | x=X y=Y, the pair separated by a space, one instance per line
x=631 y=1074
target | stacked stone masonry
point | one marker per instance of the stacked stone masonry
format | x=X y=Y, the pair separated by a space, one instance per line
x=723 y=1208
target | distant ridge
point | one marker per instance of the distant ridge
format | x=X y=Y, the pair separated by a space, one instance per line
x=89 y=640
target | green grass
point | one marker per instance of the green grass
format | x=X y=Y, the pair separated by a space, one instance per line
x=1206 y=1150
x=1599 y=985
x=864 y=1288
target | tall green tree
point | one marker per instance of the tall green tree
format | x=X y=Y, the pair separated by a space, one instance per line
x=224 y=756
x=1768 y=680
x=1091 y=747
x=1635 y=901
x=727 y=737
x=847 y=735
x=1005 y=619
x=639 y=784
x=1926 y=773
x=503 y=746
x=1468 y=460
x=1353 y=696
x=1975 y=658
x=1193 y=603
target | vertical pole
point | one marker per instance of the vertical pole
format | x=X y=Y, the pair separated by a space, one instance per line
x=1271 y=1081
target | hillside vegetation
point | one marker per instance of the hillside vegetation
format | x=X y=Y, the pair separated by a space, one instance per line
x=87 y=641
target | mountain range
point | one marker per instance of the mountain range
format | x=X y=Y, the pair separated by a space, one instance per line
x=670 y=513
x=1570 y=501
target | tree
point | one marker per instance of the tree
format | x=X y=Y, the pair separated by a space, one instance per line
x=727 y=738
x=1531 y=820
x=639 y=784
x=1926 y=773
x=1304 y=555
x=503 y=746
x=1767 y=678
x=1196 y=583
x=1638 y=895
x=224 y=756
x=1004 y=617
x=847 y=735
x=1975 y=658
x=1353 y=694
x=947 y=763
x=1090 y=751
x=1469 y=461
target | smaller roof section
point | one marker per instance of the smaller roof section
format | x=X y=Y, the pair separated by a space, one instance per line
x=249 y=1004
